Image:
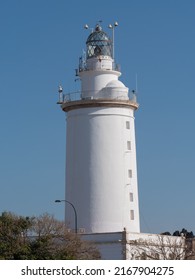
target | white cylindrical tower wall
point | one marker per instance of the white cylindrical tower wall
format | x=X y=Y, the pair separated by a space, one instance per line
x=93 y=81
x=101 y=172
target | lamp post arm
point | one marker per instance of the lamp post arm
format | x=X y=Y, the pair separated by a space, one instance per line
x=75 y=213
x=74 y=209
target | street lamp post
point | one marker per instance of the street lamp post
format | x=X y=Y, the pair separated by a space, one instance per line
x=75 y=212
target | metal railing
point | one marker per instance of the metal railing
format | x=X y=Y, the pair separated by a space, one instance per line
x=90 y=95
x=83 y=67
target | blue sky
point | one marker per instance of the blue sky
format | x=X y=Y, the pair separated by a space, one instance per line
x=41 y=42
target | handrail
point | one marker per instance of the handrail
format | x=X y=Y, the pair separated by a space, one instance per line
x=79 y=95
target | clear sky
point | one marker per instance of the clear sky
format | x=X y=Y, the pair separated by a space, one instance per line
x=41 y=42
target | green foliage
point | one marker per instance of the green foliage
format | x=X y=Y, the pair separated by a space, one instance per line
x=13 y=235
x=184 y=232
x=40 y=238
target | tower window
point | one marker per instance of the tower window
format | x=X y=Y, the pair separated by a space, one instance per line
x=130 y=173
x=127 y=125
x=132 y=214
x=131 y=196
x=129 y=145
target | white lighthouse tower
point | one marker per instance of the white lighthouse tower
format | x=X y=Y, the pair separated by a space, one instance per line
x=101 y=170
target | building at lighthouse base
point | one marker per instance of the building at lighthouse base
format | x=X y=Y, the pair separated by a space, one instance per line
x=137 y=246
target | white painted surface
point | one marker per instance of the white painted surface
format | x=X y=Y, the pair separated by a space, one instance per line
x=110 y=245
x=154 y=245
x=100 y=63
x=130 y=246
x=97 y=166
x=94 y=81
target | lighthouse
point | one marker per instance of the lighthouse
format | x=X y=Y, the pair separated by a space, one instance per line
x=101 y=169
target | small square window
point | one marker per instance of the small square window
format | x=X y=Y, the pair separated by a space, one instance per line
x=131 y=196
x=132 y=214
x=130 y=173
x=129 y=145
x=127 y=125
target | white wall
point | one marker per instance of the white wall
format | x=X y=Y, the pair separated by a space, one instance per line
x=110 y=245
x=130 y=246
x=97 y=165
x=94 y=80
x=155 y=246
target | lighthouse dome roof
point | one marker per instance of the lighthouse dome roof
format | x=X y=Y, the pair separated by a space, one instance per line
x=98 y=35
x=115 y=83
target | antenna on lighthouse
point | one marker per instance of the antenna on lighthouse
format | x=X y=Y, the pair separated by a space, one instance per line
x=136 y=83
x=113 y=26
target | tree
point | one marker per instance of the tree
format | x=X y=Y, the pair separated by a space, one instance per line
x=158 y=247
x=54 y=241
x=184 y=232
x=42 y=238
x=162 y=247
x=13 y=236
